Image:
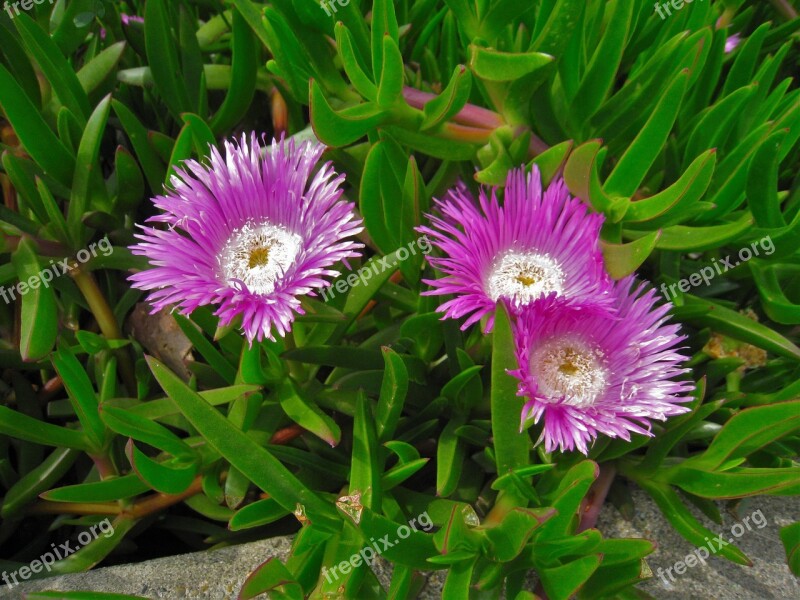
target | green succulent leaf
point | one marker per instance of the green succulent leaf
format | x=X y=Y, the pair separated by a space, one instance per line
x=256 y=462
x=39 y=313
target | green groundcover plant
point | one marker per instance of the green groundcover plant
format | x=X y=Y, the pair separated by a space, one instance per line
x=305 y=397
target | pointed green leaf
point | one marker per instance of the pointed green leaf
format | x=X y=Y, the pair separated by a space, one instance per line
x=393 y=394
x=511 y=445
x=450 y=102
x=622 y=260
x=54 y=66
x=39 y=314
x=244 y=66
x=343 y=127
x=641 y=154
x=492 y=65
x=162 y=55
x=257 y=463
x=34 y=133
x=307 y=415
x=88 y=189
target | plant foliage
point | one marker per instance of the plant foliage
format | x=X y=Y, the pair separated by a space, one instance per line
x=374 y=411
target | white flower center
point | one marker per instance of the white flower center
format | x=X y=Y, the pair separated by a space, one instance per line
x=259 y=255
x=569 y=369
x=523 y=277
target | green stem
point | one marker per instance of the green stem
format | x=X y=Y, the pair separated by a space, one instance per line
x=107 y=322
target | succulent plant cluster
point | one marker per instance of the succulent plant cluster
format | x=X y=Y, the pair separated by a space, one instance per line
x=197 y=383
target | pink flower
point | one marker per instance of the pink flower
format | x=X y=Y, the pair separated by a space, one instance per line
x=589 y=372
x=250 y=232
x=535 y=244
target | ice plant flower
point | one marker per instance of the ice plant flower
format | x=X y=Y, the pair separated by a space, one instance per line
x=590 y=373
x=250 y=232
x=537 y=243
x=732 y=42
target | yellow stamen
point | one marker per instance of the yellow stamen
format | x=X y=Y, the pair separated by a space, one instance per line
x=258 y=257
x=568 y=367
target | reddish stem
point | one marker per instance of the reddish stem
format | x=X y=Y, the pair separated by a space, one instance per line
x=464 y=133
x=593 y=502
x=472 y=115
x=785 y=8
x=149 y=504
x=46 y=247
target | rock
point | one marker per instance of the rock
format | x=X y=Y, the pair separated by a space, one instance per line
x=219 y=574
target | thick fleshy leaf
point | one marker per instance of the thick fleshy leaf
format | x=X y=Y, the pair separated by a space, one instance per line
x=163 y=58
x=23 y=427
x=274 y=578
x=39 y=313
x=685 y=192
x=365 y=468
x=257 y=463
x=34 y=133
x=345 y=126
x=108 y=490
x=450 y=101
x=261 y=512
x=602 y=68
x=243 y=76
x=171 y=477
x=37 y=480
x=450 y=452
x=352 y=66
x=394 y=388
x=634 y=165
x=152 y=165
x=562 y=582
x=491 y=65
x=307 y=415
x=686 y=523
x=54 y=66
x=507 y=540
x=737 y=326
x=144 y=430
x=622 y=260
x=734 y=483
x=88 y=189
x=790 y=536
x=511 y=446
x=748 y=431
x=81 y=394
x=97 y=70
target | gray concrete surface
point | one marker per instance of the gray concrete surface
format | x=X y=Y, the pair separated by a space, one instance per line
x=219 y=574
x=719 y=579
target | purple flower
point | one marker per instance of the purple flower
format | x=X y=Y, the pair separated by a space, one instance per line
x=128 y=19
x=535 y=244
x=732 y=42
x=250 y=232
x=590 y=373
